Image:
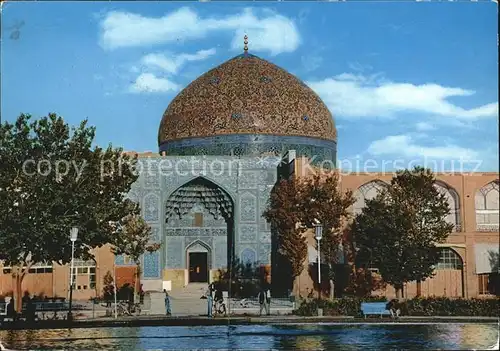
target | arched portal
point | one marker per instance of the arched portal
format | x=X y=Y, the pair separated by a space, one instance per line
x=453 y=200
x=487 y=207
x=366 y=192
x=200 y=231
x=448 y=279
x=198 y=255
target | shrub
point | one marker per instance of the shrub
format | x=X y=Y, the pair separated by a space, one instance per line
x=338 y=307
x=442 y=306
x=431 y=306
x=108 y=290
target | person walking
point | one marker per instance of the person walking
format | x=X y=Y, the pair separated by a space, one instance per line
x=167 y=303
x=268 y=301
x=141 y=295
x=210 y=300
x=263 y=302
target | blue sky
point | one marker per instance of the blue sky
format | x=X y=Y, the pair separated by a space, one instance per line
x=404 y=80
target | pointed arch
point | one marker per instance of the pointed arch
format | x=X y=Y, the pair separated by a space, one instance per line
x=449 y=273
x=200 y=190
x=198 y=245
x=366 y=192
x=487 y=207
x=453 y=200
x=248 y=256
x=198 y=261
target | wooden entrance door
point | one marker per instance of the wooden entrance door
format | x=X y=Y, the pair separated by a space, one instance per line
x=198 y=267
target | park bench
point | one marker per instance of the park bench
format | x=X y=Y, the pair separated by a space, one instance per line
x=41 y=307
x=375 y=308
x=46 y=307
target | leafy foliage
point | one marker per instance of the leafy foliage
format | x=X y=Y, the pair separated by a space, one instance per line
x=397 y=231
x=323 y=202
x=362 y=282
x=283 y=213
x=53 y=179
x=298 y=204
x=246 y=279
x=108 y=289
x=39 y=206
x=134 y=240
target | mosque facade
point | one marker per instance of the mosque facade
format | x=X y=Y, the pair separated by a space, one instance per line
x=223 y=142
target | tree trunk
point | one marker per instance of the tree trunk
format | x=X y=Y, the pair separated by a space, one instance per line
x=18 y=277
x=419 y=288
x=399 y=291
x=296 y=287
x=332 y=289
x=137 y=280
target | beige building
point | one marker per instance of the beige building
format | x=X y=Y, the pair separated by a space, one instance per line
x=469 y=262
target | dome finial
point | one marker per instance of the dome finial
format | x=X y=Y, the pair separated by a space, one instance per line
x=245 y=41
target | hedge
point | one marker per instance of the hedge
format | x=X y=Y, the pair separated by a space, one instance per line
x=431 y=306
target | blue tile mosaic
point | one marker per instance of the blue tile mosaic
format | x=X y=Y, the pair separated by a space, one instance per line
x=151 y=265
x=253 y=145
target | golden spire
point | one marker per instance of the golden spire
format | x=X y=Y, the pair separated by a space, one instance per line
x=245 y=41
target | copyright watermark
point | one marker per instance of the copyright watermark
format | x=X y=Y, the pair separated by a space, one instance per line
x=232 y=167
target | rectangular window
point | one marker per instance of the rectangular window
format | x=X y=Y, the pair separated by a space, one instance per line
x=198 y=220
x=82 y=275
x=82 y=270
x=483 y=282
x=92 y=278
x=36 y=269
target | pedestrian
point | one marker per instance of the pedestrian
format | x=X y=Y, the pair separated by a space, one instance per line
x=262 y=302
x=141 y=295
x=268 y=301
x=209 y=300
x=167 y=303
x=11 y=311
x=394 y=307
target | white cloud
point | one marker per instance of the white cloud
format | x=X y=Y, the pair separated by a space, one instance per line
x=349 y=95
x=269 y=32
x=172 y=63
x=424 y=126
x=404 y=145
x=149 y=83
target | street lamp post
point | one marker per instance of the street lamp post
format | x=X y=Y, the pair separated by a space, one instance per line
x=73 y=235
x=319 y=234
x=114 y=287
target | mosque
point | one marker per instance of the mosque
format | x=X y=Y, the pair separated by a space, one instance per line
x=224 y=141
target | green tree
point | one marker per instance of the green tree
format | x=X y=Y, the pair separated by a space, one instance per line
x=283 y=213
x=53 y=179
x=398 y=230
x=108 y=290
x=323 y=202
x=133 y=240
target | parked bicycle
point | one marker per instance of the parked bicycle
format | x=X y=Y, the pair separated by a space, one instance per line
x=125 y=308
x=219 y=307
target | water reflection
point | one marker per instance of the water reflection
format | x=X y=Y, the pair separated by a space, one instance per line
x=284 y=337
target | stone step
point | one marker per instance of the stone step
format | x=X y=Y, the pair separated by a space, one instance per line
x=188 y=307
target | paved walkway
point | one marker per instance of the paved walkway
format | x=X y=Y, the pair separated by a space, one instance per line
x=160 y=320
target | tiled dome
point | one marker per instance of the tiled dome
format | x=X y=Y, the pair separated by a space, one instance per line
x=246 y=95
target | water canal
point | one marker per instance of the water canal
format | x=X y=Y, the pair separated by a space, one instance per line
x=277 y=337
